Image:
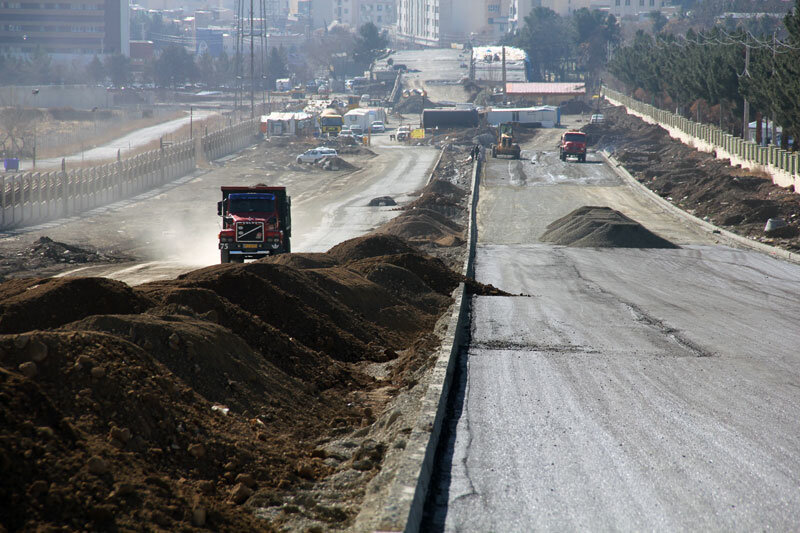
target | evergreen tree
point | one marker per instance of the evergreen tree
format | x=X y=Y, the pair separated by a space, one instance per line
x=95 y=70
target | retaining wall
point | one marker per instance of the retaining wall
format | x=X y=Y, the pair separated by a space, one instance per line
x=782 y=165
x=33 y=197
x=403 y=508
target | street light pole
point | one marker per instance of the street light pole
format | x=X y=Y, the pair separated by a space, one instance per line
x=35 y=93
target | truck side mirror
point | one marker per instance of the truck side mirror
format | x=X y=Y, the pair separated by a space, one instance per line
x=219 y=208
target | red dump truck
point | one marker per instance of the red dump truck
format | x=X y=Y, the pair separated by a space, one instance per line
x=256 y=221
x=572 y=144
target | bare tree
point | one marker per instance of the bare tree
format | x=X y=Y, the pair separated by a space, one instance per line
x=16 y=131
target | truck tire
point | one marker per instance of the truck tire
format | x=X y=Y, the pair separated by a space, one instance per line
x=224 y=256
x=288 y=246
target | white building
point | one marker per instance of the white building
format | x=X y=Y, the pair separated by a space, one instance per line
x=354 y=13
x=441 y=22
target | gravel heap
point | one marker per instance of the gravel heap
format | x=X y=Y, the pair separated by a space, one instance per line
x=601 y=227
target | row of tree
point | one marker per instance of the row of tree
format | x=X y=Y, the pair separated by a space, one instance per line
x=566 y=48
x=705 y=75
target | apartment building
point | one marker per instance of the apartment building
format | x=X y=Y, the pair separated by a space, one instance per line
x=441 y=22
x=379 y=12
x=522 y=8
x=619 y=8
x=66 y=29
x=635 y=8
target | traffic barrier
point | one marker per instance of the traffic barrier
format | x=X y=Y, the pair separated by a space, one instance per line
x=782 y=166
x=28 y=198
x=403 y=507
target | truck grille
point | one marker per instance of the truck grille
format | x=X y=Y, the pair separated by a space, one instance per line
x=250 y=232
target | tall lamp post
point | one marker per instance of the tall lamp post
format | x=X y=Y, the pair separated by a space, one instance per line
x=35 y=93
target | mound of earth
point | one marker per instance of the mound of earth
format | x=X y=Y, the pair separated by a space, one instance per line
x=425 y=225
x=41 y=303
x=738 y=199
x=414 y=103
x=381 y=201
x=601 y=227
x=369 y=246
x=45 y=252
x=333 y=162
x=191 y=402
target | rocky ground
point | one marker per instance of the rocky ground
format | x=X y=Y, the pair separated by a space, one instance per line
x=262 y=396
x=736 y=199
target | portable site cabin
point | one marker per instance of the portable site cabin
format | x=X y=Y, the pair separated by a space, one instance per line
x=363 y=117
x=297 y=123
x=542 y=116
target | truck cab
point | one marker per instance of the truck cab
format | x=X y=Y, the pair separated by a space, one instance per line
x=572 y=144
x=256 y=222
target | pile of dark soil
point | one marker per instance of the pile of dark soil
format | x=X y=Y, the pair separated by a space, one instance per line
x=425 y=225
x=382 y=201
x=737 y=199
x=414 y=103
x=601 y=227
x=189 y=402
x=45 y=252
x=334 y=163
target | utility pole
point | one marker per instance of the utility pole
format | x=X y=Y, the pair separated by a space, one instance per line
x=504 y=74
x=252 y=68
x=746 y=121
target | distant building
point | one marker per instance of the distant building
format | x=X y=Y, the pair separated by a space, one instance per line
x=522 y=8
x=635 y=8
x=441 y=22
x=65 y=29
x=487 y=64
x=545 y=93
x=209 y=40
x=354 y=13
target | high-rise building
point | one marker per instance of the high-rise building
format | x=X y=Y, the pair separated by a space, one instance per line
x=65 y=28
x=440 y=22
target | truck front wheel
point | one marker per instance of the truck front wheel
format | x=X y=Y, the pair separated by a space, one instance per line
x=224 y=256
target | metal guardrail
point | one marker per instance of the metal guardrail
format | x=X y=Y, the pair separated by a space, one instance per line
x=782 y=165
x=28 y=198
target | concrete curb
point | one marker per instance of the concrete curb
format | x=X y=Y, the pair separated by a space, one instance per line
x=436 y=165
x=406 y=497
x=723 y=234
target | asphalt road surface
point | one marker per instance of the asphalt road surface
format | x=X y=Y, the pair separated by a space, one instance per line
x=174 y=229
x=628 y=389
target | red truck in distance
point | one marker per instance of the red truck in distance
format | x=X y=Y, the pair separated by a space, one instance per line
x=256 y=222
x=573 y=144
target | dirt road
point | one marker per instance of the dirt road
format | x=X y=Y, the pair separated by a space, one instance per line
x=633 y=389
x=173 y=229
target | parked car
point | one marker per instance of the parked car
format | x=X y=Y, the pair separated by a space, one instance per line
x=315 y=154
x=356 y=130
x=377 y=127
x=597 y=119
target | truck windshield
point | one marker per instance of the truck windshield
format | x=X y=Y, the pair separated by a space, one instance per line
x=332 y=121
x=255 y=205
x=575 y=137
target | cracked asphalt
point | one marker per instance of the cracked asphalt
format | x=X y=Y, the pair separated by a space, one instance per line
x=630 y=389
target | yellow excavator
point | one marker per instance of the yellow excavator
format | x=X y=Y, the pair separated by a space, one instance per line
x=506 y=144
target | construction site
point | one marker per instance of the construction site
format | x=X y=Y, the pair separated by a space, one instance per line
x=463 y=315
